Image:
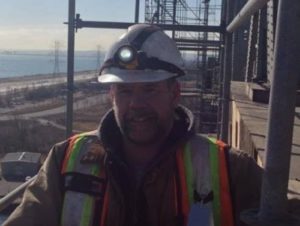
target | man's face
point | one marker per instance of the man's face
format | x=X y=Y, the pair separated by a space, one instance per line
x=144 y=111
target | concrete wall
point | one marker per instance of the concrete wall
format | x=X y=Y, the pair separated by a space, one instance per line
x=240 y=135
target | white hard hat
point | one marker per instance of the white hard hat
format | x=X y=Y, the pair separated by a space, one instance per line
x=143 y=54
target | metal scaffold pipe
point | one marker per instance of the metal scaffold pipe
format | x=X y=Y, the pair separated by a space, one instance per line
x=245 y=13
x=137 y=11
x=283 y=96
x=13 y=195
x=226 y=77
x=70 y=68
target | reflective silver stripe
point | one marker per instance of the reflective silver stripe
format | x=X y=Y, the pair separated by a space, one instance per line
x=201 y=214
x=78 y=208
x=73 y=209
x=199 y=147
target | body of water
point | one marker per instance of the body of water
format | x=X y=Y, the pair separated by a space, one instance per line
x=19 y=63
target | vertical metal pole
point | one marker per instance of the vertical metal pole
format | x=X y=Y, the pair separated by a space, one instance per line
x=261 y=53
x=222 y=61
x=174 y=17
x=282 y=110
x=226 y=76
x=252 y=41
x=158 y=11
x=207 y=80
x=137 y=11
x=70 y=69
x=220 y=102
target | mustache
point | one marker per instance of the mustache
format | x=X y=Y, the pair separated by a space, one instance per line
x=139 y=113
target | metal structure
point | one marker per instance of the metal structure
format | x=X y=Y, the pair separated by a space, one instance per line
x=282 y=96
x=98 y=60
x=56 y=57
x=13 y=195
x=273 y=208
x=245 y=13
x=201 y=49
x=226 y=78
x=70 y=68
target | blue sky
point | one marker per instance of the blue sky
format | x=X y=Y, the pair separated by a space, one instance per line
x=37 y=24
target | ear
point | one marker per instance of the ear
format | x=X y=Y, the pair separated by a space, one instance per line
x=111 y=94
x=176 y=93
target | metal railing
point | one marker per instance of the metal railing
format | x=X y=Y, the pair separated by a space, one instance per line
x=273 y=204
x=13 y=195
x=251 y=7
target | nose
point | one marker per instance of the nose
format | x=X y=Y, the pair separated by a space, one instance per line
x=137 y=101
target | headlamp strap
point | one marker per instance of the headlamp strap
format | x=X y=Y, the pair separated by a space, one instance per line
x=150 y=63
x=138 y=41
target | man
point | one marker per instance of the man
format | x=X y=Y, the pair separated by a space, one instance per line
x=144 y=165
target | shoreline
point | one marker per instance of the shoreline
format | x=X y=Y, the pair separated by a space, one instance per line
x=41 y=76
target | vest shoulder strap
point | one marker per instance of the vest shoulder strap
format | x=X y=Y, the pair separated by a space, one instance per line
x=222 y=203
x=203 y=171
x=84 y=181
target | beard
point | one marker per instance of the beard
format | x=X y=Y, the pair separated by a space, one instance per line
x=142 y=127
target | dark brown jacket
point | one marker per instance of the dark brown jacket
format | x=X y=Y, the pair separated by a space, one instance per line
x=143 y=198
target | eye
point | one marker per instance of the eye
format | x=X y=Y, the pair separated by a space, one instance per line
x=124 y=91
x=151 y=89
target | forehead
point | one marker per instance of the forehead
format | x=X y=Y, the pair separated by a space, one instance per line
x=160 y=84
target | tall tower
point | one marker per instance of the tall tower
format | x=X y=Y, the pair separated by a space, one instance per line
x=98 y=59
x=56 y=57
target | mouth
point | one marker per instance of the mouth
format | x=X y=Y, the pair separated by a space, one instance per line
x=141 y=127
x=141 y=119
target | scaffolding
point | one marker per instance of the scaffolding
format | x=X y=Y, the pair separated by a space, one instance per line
x=200 y=49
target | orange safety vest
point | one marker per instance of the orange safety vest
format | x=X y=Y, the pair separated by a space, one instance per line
x=81 y=202
x=222 y=205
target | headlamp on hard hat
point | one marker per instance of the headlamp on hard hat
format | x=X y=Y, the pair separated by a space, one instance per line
x=126 y=56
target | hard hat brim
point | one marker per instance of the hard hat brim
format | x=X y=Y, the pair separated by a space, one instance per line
x=116 y=75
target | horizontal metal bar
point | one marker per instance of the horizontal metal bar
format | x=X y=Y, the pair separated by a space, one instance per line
x=201 y=42
x=198 y=49
x=195 y=45
x=251 y=7
x=124 y=25
x=13 y=195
